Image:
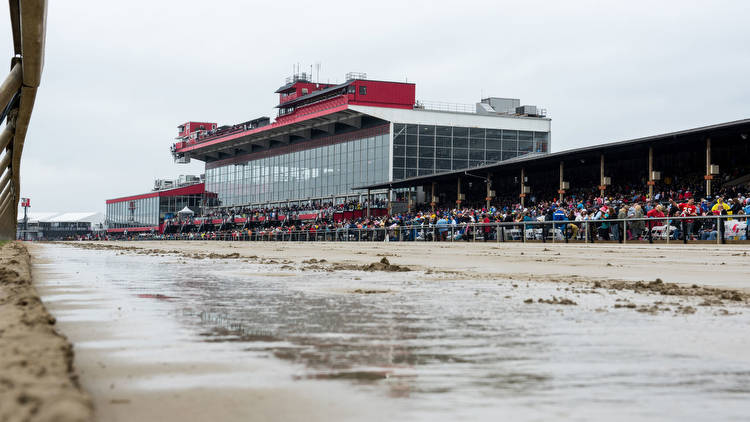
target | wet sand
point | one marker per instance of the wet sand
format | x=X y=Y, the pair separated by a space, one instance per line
x=136 y=370
x=716 y=266
x=37 y=380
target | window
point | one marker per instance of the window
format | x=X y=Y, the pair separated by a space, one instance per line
x=304 y=91
x=350 y=90
x=362 y=90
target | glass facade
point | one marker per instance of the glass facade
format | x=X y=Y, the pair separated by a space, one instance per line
x=420 y=150
x=142 y=212
x=151 y=212
x=321 y=172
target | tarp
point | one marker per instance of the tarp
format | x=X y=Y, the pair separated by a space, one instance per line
x=186 y=210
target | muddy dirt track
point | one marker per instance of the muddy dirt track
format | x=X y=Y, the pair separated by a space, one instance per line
x=37 y=380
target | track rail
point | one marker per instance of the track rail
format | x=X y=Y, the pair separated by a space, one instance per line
x=17 y=94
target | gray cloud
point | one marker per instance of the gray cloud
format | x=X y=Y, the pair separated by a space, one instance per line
x=119 y=78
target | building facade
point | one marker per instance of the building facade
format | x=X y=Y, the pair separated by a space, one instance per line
x=329 y=139
x=147 y=212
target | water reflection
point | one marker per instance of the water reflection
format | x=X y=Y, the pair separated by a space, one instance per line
x=454 y=346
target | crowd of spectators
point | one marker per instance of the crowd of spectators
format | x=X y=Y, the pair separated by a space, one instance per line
x=584 y=214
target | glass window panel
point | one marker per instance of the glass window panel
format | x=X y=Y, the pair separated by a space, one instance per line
x=476 y=132
x=460 y=153
x=426 y=152
x=398 y=173
x=475 y=143
x=443 y=164
x=494 y=133
x=443 y=141
x=442 y=152
x=460 y=132
x=460 y=164
x=411 y=162
x=443 y=130
x=426 y=163
x=494 y=155
x=493 y=144
x=460 y=143
x=411 y=129
x=426 y=130
x=411 y=151
x=399 y=140
x=426 y=140
x=476 y=154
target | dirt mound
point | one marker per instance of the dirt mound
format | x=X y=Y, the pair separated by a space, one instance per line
x=37 y=382
x=712 y=295
x=384 y=265
x=557 y=301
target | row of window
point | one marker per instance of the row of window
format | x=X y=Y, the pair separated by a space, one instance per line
x=420 y=150
x=330 y=170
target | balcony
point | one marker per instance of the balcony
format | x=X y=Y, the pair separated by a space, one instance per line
x=288 y=98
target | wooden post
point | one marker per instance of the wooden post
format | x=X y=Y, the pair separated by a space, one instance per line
x=458 y=193
x=562 y=189
x=368 y=203
x=489 y=188
x=708 y=166
x=432 y=197
x=523 y=184
x=601 y=176
x=651 y=173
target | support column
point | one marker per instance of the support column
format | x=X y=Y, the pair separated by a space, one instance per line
x=390 y=198
x=489 y=190
x=651 y=181
x=432 y=197
x=458 y=193
x=561 y=192
x=601 y=176
x=408 y=201
x=523 y=186
x=708 y=176
x=368 y=203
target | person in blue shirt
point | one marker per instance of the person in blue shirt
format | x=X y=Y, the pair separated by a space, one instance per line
x=559 y=215
x=442 y=226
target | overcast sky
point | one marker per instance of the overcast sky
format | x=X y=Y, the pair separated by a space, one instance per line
x=119 y=77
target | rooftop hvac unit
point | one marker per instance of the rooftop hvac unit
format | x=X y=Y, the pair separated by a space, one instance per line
x=714 y=168
x=606 y=181
x=526 y=189
x=565 y=185
x=655 y=175
x=527 y=110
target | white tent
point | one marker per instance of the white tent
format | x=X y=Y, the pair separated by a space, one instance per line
x=186 y=210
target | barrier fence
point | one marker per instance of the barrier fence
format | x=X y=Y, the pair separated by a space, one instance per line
x=703 y=229
x=28 y=20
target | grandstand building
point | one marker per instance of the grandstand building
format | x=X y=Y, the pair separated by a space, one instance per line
x=330 y=138
x=146 y=212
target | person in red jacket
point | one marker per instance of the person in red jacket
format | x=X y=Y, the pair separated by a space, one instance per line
x=656 y=212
